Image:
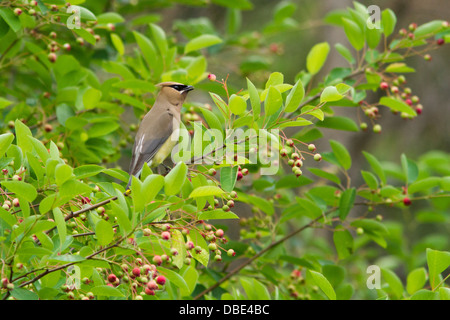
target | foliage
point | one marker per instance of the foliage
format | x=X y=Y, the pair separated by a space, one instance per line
x=68 y=231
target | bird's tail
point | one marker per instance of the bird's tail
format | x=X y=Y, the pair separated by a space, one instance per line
x=128 y=189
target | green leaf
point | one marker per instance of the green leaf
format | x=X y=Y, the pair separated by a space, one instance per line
x=212 y=120
x=109 y=17
x=10 y=18
x=200 y=42
x=104 y=232
x=341 y=154
x=198 y=240
x=416 y=280
x=338 y=123
x=60 y=225
x=151 y=187
x=295 y=97
x=23 y=294
x=228 y=176
x=372 y=227
x=424 y=184
x=23 y=135
x=425 y=294
x=346 y=202
x=399 y=67
x=122 y=217
x=429 y=28
x=345 y=53
x=330 y=94
x=323 y=283
x=5 y=141
x=254 y=99
x=160 y=38
x=148 y=50
x=388 y=22
x=177 y=240
x=394 y=282
x=25 y=190
x=106 y=291
x=376 y=166
x=437 y=262
x=174 y=180
x=217 y=214
x=72 y=188
x=237 y=104
x=86 y=35
x=275 y=78
x=175 y=279
x=397 y=105
x=354 y=33
x=326 y=175
x=316 y=57
x=254 y=289
x=370 y=179
x=63 y=172
x=118 y=44
x=311 y=210
x=273 y=101
x=410 y=169
x=86 y=171
x=206 y=191
x=343 y=242
x=444 y=293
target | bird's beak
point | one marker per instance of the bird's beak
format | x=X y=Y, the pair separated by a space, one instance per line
x=187 y=89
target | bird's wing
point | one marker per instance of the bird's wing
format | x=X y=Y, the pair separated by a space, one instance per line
x=152 y=134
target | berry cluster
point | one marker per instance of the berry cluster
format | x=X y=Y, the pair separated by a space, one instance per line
x=295 y=157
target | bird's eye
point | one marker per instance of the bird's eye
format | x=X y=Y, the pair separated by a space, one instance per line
x=178 y=87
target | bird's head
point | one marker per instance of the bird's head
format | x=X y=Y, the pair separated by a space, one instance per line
x=174 y=92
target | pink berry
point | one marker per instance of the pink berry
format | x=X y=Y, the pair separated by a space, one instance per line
x=384 y=85
x=161 y=280
x=239 y=175
x=165 y=235
x=219 y=233
x=157 y=260
x=212 y=77
x=152 y=285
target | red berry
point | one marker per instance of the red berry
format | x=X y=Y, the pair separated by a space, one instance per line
x=161 y=280
x=384 y=85
x=149 y=292
x=440 y=42
x=239 y=175
x=112 y=278
x=406 y=201
x=136 y=272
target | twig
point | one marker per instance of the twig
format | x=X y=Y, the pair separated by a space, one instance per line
x=259 y=254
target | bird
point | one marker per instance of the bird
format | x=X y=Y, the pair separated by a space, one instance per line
x=157 y=133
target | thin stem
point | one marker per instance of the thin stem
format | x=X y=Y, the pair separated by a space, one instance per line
x=259 y=254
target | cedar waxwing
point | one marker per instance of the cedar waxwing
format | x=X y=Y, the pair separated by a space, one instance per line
x=158 y=134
